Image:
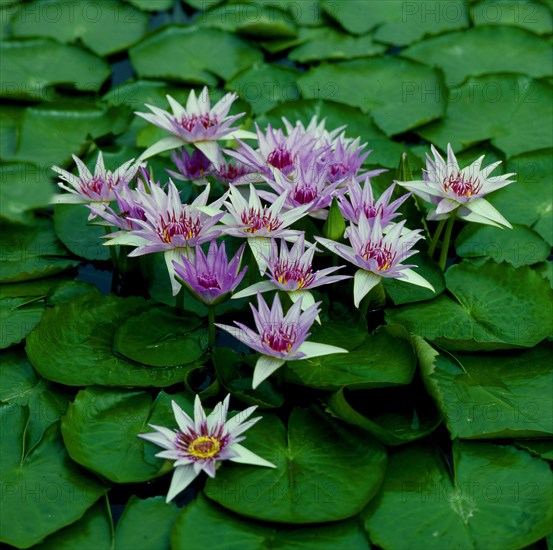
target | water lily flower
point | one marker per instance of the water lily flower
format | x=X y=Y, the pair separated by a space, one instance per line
x=452 y=189
x=292 y=271
x=361 y=200
x=279 y=338
x=235 y=173
x=170 y=226
x=377 y=254
x=97 y=189
x=345 y=159
x=198 y=123
x=211 y=278
x=315 y=129
x=191 y=167
x=200 y=444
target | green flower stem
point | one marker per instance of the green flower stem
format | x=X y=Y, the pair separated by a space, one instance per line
x=113 y=255
x=436 y=237
x=447 y=238
x=211 y=323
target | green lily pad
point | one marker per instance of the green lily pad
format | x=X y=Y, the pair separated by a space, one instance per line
x=10 y=118
x=93 y=530
x=265 y=86
x=50 y=134
x=404 y=293
x=33 y=289
x=502 y=104
x=193 y=55
x=101 y=427
x=43 y=489
x=528 y=201
x=81 y=237
x=385 y=359
x=396 y=22
x=394 y=416
x=145 y=524
x=385 y=151
x=325 y=471
x=480 y=316
x=468 y=53
x=518 y=246
x=256 y=20
x=73 y=345
x=372 y=86
x=161 y=338
x=105 y=27
x=153 y=5
x=490 y=396
x=201 y=522
x=20 y=384
x=31 y=252
x=18 y=316
x=496 y=497
x=30 y=68
x=537 y=447
x=534 y=16
x=326 y=43
x=24 y=187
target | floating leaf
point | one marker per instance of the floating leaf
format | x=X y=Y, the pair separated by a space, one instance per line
x=496 y=497
x=325 y=471
x=394 y=104
x=192 y=54
x=154 y=5
x=201 y=522
x=31 y=67
x=18 y=316
x=43 y=489
x=480 y=316
x=537 y=447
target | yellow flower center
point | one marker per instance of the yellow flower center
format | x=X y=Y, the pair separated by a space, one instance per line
x=204 y=446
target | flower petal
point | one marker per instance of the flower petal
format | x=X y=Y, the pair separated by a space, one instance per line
x=245 y=456
x=264 y=367
x=314 y=349
x=363 y=283
x=165 y=144
x=415 y=279
x=182 y=478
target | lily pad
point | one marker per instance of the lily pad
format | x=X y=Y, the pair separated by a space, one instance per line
x=153 y=5
x=30 y=68
x=18 y=316
x=73 y=345
x=105 y=27
x=43 y=489
x=325 y=471
x=193 y=55
x=80 y=236
x=518 y=246
x=20 y=384
x=480 y=316
x=496 y=497
x=385 y=151
x=372 y=85
x=145 y=524
x=161 y=338
x=101 y=427
x=31 y=252
x=502 y=104
x=537 y=447
x=24 y=187
x=490 y=396
x=201 y=522
x=385 y=359
x=459 y=54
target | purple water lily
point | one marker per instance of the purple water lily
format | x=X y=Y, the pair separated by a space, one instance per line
x=199 y=444
x=211 y=278
x=191 y=167
x=279 y=338
x=198 y=123
x=377 y=254
x=345 y=159
x=235 y=173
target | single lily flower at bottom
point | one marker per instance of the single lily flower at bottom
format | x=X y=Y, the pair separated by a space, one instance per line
x=200 y=443
x=279 y=338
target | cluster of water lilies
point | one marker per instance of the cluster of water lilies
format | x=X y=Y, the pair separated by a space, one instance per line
x=294 y=173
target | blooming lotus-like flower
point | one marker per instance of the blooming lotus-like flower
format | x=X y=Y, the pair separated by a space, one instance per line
x=191 y=167
x=361 y=200
x=315 y=129
x=210 y=278
x=200 y=443
x=275 y=150
x=451 y=188
x=345 y=159
x=97 y=189
x=197 y=123
x=235 y=173
x=292 y=272
x=168 y=225
x=377 y=255
x=279 y=338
